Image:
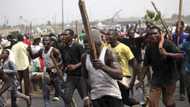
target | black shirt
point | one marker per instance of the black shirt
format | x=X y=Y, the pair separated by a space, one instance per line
x=135 y=46
x=72 y=55
x=164 y=69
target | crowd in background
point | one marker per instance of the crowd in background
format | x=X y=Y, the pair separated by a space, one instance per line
x=31 y=63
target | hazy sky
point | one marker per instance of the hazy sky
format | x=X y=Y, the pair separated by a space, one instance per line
x=39 y=11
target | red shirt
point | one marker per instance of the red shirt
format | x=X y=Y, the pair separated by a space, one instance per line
x=27 y=41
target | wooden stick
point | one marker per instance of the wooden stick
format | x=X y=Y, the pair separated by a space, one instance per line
x=87 y=28
x=59 y=71
x=161 y=20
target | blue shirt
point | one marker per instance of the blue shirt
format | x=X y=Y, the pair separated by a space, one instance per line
x=186 y=49
x=182 y=39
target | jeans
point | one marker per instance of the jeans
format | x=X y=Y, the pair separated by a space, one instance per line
x=13 y=98
x=13 y=89
x=180 y=69
x=57 y=83
x=187 y=84
x=46 y=91
x=125 y=92
x=72 y=83
x=1 y=101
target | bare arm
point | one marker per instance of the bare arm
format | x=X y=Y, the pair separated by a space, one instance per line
x=57 y=56
x=84 y=80
x=6 y=80
x=168 y=54
x=112 y=66
x=136 y=69
x=177 y=56
x=145 y=69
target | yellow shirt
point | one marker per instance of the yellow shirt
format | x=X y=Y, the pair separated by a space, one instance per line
x=124 y=54
x=21 y=55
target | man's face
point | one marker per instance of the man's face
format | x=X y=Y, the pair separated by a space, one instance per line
x=181 y=27
x=67 y=37
x=104 y=39
x=61 y=37
x=5 y=54
x=154 y=36
x=111 y=37
x=46 y=41
x=86 y=45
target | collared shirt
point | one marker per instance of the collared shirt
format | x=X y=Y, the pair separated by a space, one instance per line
x=72 y=55
x=71 y=44
x=21 y=56
x=182 y=39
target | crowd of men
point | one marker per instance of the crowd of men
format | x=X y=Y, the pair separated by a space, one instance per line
x=123 y=61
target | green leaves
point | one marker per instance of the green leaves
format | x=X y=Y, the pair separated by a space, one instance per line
x=152 y=16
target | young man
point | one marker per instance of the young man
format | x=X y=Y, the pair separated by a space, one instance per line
x=20 y=51
x=164 y=75
x=52 y=70
x=186 y=69
x=101 y=76
x=128 y=64
x=180 y=37
x=71 y=55
x=9 y=68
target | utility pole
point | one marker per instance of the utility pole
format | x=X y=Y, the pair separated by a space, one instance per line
x=76 y=30
x=180 y=10
x=76 y=27
x=54 y=23
x=179 y=21
x=62 y=6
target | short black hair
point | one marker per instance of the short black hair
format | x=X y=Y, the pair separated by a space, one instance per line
x=20 y=37
x=52 y=35
x=181 y=22
x=47 y=36
x=112 y=32
x=70 y=32
x=157 y=28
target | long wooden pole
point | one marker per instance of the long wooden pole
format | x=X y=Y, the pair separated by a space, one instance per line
x=59 y=71
x=76 y=30
x=87 y=28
